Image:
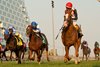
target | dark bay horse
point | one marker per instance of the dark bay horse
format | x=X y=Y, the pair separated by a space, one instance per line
x=12 y=45
x=70 y=38
x=96 y=50
x=86 y=50
x=36 y=44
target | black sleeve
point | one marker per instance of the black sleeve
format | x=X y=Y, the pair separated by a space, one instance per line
x=76 y=15
x=64 y=18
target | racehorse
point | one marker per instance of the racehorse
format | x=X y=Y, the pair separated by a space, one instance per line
x=70 y=38
x=35 y=44
x=96 y=50
x=12 y=45
x=86 y=50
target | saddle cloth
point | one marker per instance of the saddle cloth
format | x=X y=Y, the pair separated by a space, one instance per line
x=19 y=41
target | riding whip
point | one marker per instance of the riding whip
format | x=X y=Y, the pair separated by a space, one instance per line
x=59 y=32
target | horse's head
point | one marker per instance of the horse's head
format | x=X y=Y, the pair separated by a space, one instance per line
x=6 y=34
x=69 y=17
x=28 y=30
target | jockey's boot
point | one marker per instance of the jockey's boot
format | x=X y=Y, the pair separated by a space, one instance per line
x=80 y=34
x=40 y=35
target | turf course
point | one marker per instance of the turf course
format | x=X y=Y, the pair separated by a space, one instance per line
x=91 y=63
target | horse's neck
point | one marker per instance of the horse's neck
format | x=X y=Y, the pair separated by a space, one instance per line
x=70 y=28
x=32 y=36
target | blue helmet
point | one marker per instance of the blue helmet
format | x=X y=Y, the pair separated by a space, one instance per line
x=6 y=32
x=34 y=24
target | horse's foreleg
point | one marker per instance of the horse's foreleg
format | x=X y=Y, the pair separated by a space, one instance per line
x=33 y=55
x=30 y=55
x=66 y=57
x=11 y=56
x=19 y=57
x=38 y=56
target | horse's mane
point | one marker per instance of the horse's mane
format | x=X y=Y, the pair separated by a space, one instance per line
x=31 y=34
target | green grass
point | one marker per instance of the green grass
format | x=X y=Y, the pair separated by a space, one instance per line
x=50 y=64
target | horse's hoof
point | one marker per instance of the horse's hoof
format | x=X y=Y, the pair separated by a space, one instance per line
x=39 y=62
x=31 y=59
x=69 y=59
x=65 y=60
x=19 y=62
x=76 y=62
x=48 y=60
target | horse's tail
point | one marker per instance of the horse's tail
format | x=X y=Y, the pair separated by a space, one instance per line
x=89 y=50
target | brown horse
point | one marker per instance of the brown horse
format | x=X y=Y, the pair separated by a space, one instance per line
x=96 y=50
x=11 y=44
x=70 y=37
x=36 y=44
x=86 y=50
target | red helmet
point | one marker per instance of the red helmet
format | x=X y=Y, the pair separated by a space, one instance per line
x=69 y=5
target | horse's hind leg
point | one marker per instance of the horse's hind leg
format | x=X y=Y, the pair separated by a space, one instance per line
x=47 y=53
x=86 y=57
x=19 y=57
x=23 y=53
x=77 y=54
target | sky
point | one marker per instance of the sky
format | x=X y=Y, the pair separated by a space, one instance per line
x=88 y=17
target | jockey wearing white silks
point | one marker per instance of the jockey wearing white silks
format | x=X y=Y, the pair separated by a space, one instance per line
x=13 y=28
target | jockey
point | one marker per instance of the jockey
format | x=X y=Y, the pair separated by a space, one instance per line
x=69 y=6
x=19 y=37
x=12 y=30
x=18 y=34
x=36 y=28
x=85 y=43
x=96 y=44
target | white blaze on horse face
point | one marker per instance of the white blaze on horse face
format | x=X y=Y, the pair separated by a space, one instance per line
x=65 y=22
x=66 y=15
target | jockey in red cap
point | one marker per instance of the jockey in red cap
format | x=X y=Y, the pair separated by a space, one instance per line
x=69 y=6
